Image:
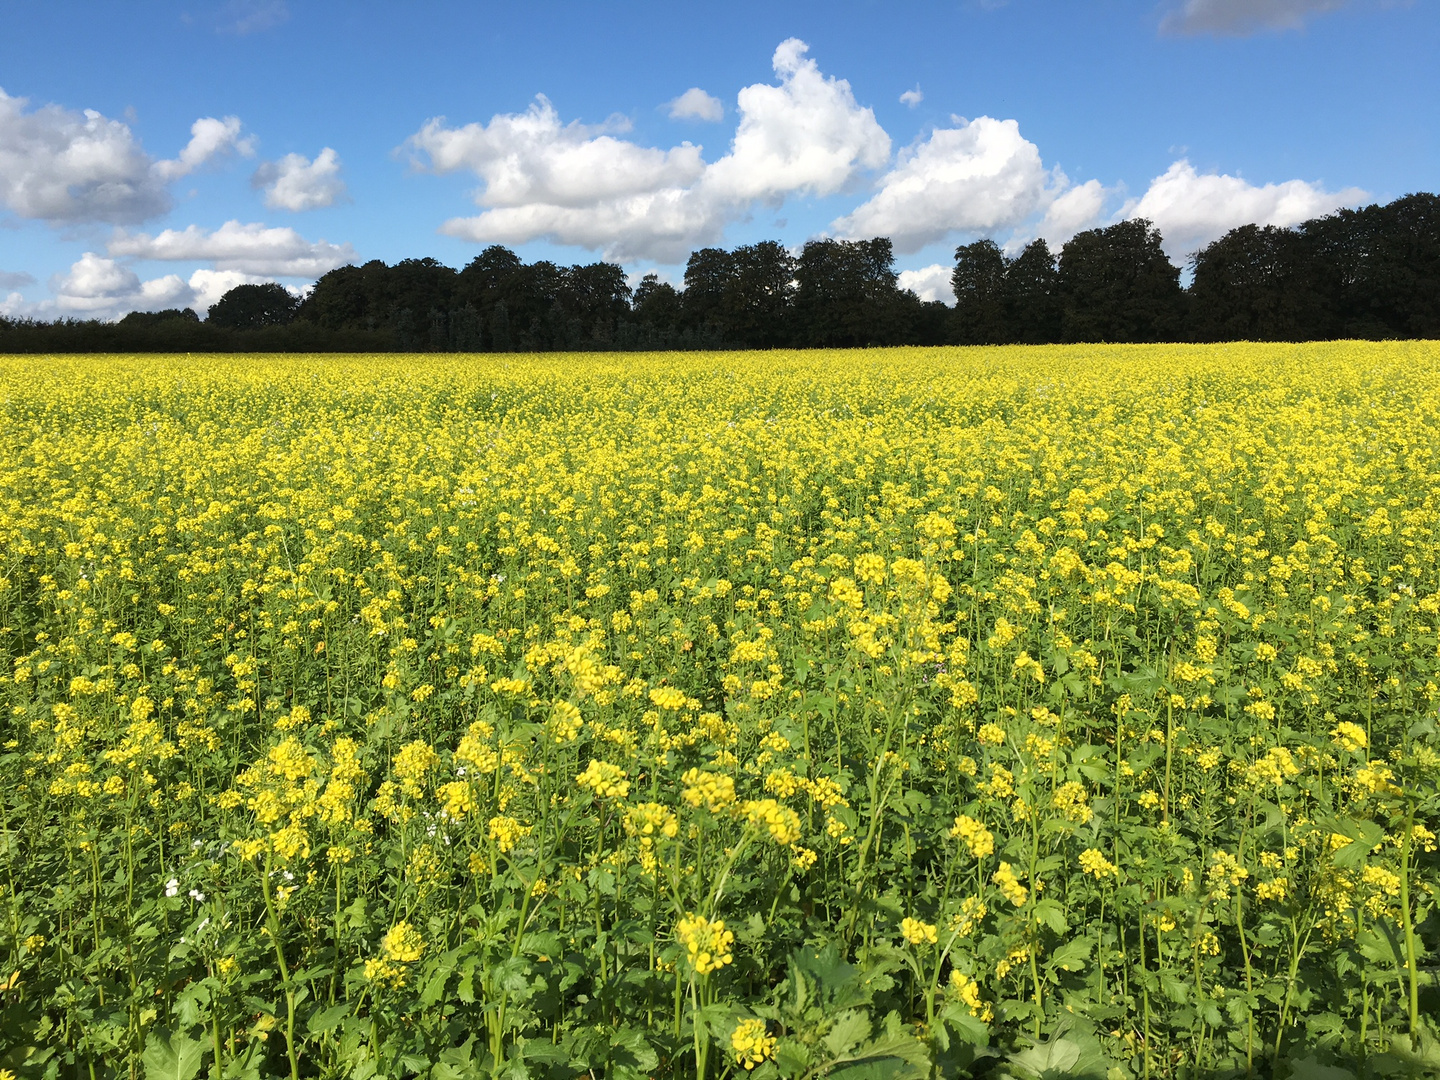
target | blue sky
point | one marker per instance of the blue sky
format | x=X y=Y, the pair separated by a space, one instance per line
x=154 y=153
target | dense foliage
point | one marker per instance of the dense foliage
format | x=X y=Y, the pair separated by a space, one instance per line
x=1364 y=274
x=1025 y=712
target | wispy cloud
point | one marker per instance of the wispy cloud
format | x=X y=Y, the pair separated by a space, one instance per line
x=243 y=17
x=1240 y=18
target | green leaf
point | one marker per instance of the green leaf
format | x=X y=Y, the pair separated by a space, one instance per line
x=1379 y=948
x=1072 y=955
x=792 y=1057
x=1177 y=990
x=177 y=1058
x=465 y=991
x=850 y=1027
x=630 y=1047
x=1307 y=1068
x=435 y=988
x=970 y=1029
x=896 y=1042
x=1048 y=1058
x=322 y=1020
x=1052 y=915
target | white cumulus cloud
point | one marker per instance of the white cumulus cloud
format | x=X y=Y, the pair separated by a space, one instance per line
x=533 y=158
x=912 y=97
x=807 y=135
x=978 y=177
x=696 y=104
x=249 y=249
x=1192 y=208
x=209 y=138
x=1075 y=210
x=208 y=286
x=64 y=167
x=297 y=183
x=804 y=134
x=929 y=282
x=97 y=287
x=1242 y=17
x=581 y=184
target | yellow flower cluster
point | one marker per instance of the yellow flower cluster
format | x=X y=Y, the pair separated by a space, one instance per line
x=978 y=839
x=1094 y=862
x=668 y=697
x=751 y=1045
x=606 y=780
x=456 y=799
x=565 y=722
x=1225 y=872
x=714 y=791
x=780 y=822
x=1071 y=799
x=402 y=944
x=506 y=832
x=1010 y=886
x=917 y=932
x=1349 y=737
x=968 y=991
x=1274 y=889
x=707 y=944
x=991 y=735
x=650 y=820
x=1272 y=770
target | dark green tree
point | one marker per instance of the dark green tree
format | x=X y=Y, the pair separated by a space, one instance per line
x=708 y=277
x=465 y=333
x=1255 y=283
x=1377 y=269
x=351 y=297
x=596 y=298
x=1032 y=296
x=489 y=278
x=1116 y=284
x=421 y=285
x=250 y=307
x=501 y=339
x=656 y=307
x=978 y=281
x=759 y=299
x=141 y=319
x=846 y=295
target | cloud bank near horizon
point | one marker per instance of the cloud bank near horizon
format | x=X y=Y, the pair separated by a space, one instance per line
x=806 y=136
x=542 y=177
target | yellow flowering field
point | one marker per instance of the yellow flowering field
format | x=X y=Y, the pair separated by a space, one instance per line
x=1065 y=711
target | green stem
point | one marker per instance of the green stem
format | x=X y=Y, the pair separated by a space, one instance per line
x=1249 y=989
x=273 y=923
x=1409 y=923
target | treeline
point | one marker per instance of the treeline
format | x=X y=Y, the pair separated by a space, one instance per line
x=834 y=293
x=1369 y=273
x=1372 y=273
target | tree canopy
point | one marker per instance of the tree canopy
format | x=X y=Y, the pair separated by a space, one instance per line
x=1367 y=273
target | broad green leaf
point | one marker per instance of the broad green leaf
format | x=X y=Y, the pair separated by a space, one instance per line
x=322 y=1020
x=176 y=1058
x=1072 y=955
x=1047 y=1058
x=848 y=1030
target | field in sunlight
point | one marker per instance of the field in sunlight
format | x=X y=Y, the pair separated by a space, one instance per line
x=856 y=713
